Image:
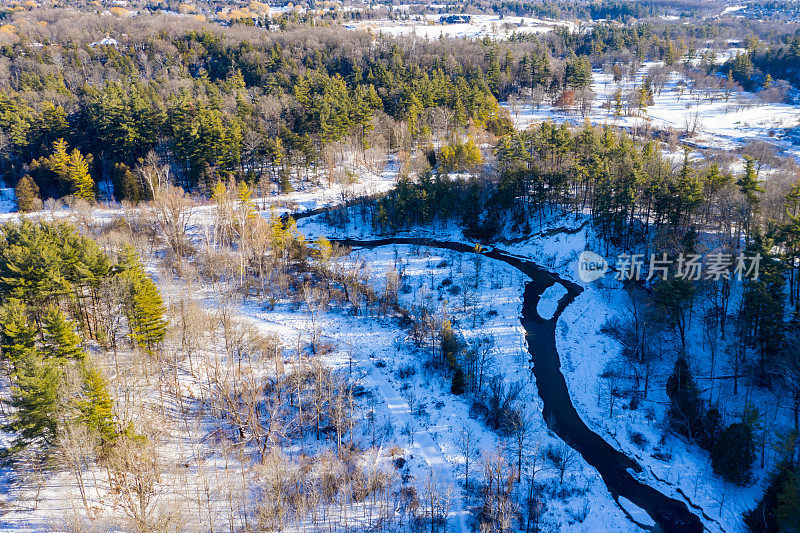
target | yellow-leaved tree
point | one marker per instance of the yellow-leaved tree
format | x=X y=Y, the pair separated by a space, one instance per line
x=72 y=170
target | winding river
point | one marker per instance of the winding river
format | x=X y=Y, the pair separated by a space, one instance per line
x=560 y=415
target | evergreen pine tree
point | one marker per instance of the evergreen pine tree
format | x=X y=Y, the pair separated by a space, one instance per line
x=27 y=193
x=684 y=410
x=449 y=344
x=35 y=400
x=763 y=303
x=126 y=185
x=688 y=192
x=675 y=295
x=493 y=75
x=97 y=408
x=459 y=384
x=714 y=180
x=749 y=187
x=79 y=178
x=58 y=162
x=787 y=510
x=60 y=339
x=17 y=334
x=145 y=307
x=749 y=184
x=779 y=509
x=733 y=455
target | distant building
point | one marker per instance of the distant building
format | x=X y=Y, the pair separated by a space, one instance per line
x=105 y=41
x=455 y=19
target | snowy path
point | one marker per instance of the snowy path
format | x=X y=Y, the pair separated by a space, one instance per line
x=423 y=446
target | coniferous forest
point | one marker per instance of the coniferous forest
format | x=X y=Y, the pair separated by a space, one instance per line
x=333 y=266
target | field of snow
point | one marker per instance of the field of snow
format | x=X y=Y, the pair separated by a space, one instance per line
x=491 y=311
x=425 y=418
x=480 y=26
x=308 y=198
x=717 y=122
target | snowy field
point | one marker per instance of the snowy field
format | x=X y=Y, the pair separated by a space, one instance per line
x=412 y=406
x=427 y=418
x=480 y=26
x=306 y=196
x=716 y=121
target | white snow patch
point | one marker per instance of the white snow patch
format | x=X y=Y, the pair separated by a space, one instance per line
x=636 y=512
x=8 y=201
x=479 y=26
x=548 y=302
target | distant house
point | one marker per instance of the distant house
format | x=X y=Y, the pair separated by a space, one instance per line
x=455 y=19
x=105 y=41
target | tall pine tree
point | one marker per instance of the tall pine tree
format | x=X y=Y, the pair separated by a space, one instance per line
x=145 y=307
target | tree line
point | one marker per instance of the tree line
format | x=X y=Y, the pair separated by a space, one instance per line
x=217 y=101
x=61 y=297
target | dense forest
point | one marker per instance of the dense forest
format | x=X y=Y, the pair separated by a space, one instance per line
x=259 y=105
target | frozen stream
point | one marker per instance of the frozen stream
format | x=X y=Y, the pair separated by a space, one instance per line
x=617 y=469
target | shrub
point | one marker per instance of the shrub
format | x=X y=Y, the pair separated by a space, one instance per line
x=459 y=156
x=712 y=427
x=405 y=372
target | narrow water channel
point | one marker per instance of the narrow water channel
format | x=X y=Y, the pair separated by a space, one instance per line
x=559 y=413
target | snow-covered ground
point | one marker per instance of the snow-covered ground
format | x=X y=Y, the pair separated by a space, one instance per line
x=548 y=302
x=8 y=202
x=430 y=27
x=306 y=196
x=444 y=281
x=671 y=463
x=718 y=122
x=676 y=467
x=314 y=197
